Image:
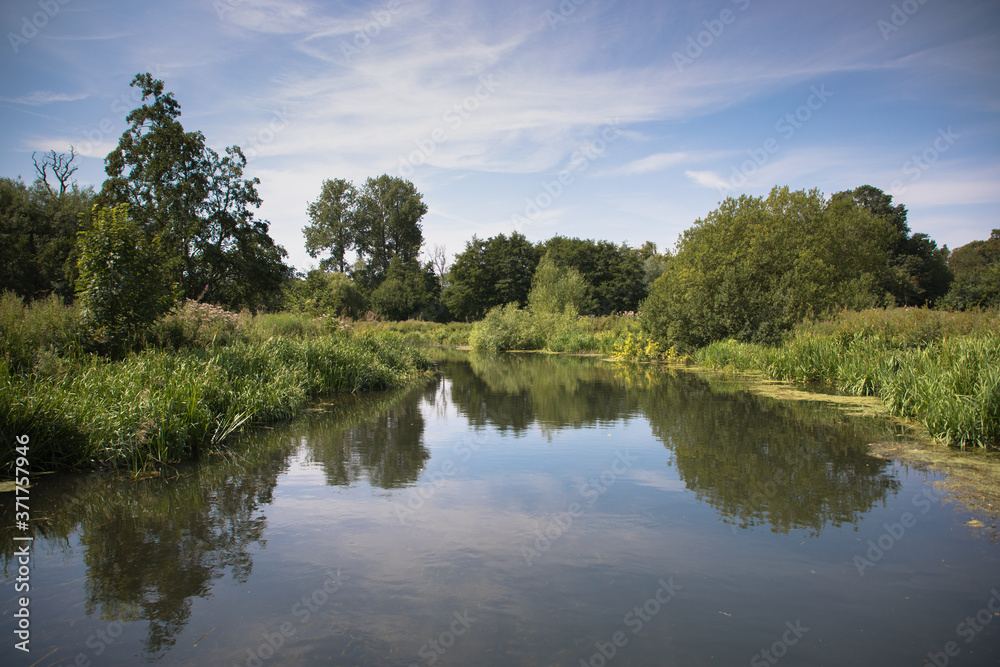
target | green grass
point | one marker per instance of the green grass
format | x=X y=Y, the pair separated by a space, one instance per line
x=940 y=368
x=202 y=375
x=156 y=406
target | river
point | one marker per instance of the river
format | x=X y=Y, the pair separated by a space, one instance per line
x=516 y=510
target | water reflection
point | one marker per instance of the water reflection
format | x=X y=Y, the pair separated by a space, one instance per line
x=756 y=460
x=517 y=391
x=152 y=546
x=762 y=461
x=376 y=438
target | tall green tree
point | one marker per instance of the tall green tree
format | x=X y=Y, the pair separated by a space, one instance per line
x=976 y=267
x=387 y=226
x=195 y=203
x=380 y=223
x=919 y=273
x=488 y=273
x=332 y=224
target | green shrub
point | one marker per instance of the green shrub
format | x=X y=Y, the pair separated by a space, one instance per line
x=324 y=293
x=506 y=328
x=555 y=288
x=122 y=285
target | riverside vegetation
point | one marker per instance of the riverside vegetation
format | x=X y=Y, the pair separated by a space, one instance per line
x=198 y=375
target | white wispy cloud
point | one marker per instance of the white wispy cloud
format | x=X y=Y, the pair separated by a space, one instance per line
x=41 y=97
x=653 y=163
x=709 y=179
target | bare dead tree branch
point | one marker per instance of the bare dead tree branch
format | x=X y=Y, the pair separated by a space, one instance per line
x=439 y=259
x=61 y=165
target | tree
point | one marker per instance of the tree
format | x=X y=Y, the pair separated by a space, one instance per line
x=490 y=273
x=196 y=204
x=122 y=285
x=919 y=272
x=614 y=273
x=755 y=266
x=976 y=267
x=409 y=291
x=555 y=288
x=387 y=226
x=38 y=228
x=381 y=223
x=332 y=223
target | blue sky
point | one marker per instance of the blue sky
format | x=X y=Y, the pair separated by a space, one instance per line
x=624 y=121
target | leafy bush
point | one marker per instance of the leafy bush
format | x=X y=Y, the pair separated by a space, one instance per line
x=123 y=287
x=754 y=267
x=555 y=288
x=323 y=293
x=506 y=328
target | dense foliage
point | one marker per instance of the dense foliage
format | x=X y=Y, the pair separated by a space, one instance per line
x=380 y=223
x=38 y=228
x=125 y=279
x=490 y=273
x=323 y=293
x=976 y=267
x=918 y=272
x=615 y=274
x=555 y=288
x=755 y=266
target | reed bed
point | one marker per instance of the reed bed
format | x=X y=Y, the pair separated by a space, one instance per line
x=940 y=368
x=192 y=386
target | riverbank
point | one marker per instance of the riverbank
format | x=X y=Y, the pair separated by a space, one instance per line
x=941 y=369
x=201 y=376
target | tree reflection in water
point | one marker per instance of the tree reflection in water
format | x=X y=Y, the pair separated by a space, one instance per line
x=756 y=460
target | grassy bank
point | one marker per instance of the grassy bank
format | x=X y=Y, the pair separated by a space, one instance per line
x=200 y=375
x=939 y=368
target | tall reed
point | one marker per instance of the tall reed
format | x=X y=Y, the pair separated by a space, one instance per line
x=157 y=406
x=942 y=369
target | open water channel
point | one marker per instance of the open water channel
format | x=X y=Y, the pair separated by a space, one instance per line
x=516 y=510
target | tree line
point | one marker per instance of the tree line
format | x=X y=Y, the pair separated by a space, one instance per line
x=176 y=220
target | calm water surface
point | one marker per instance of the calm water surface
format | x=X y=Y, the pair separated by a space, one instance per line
x=518 y=510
